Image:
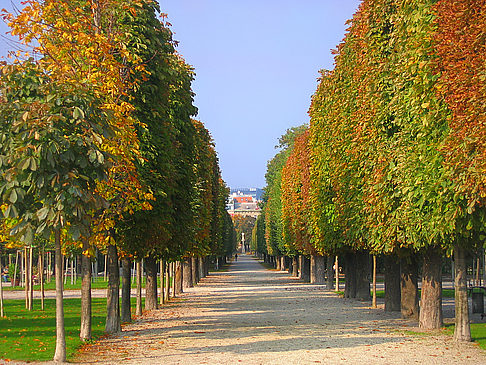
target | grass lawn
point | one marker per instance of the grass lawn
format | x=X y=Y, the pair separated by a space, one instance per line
x=99 y=283
x=446 y=293
x=31 y=336
x=478 y=332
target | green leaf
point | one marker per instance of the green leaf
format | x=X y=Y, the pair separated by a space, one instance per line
x=13 y=196
x=92 y=156
x=42 y=213
x=78 y=113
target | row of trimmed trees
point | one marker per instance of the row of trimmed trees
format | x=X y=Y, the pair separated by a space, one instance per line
x=394 y=160
x=99 y=148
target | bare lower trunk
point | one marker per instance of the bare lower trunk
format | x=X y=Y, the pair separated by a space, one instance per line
x=167 y=281
x=151 y=283
x=25 y=263
x=113 y=323
x=31 y=282
x=317 y=269
x=363 y=271
x=431 y=298
x=278 y=263
x=409 y=288
x=330 y=273
x=41 y=276
x=85 y=329
x=350 y=273
x=194 y=271
x=138 y=309
x=202 y=273
x=336 y=272
x=178 y=277
x=304 y=265
x=295 y=266
x=126 y=312
x=2 y=314
x=187 y=273
x=173 y=270
x=206 y=265
x=462 y=330
x=162 y=281
x=392 y=284
x=60 y=353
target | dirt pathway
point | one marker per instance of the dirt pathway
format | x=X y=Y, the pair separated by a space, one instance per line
x=257 y=316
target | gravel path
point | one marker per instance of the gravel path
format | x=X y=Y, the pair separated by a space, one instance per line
x=253 y=315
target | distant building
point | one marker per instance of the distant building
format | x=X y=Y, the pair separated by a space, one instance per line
x=256 y=193
x=244 y=201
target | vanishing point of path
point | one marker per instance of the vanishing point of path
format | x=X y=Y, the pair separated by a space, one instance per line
x=252 y=315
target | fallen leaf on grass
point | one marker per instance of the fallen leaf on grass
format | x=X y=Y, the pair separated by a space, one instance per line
x=199 y=332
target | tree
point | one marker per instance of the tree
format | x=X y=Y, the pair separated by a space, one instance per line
x=272 y=208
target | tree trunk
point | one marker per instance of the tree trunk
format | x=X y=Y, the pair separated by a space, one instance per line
x=350 y=273
x=85 y=329
x=178 y=278
x=138 y=309
x=60 y=353
x=462 y=330
x=94 y=266
x=105 y=268
x=173 y=270
x=295 y=266
x=194 y=270
x=25 y=263
x=151 y=284
x=317 y=269
x=330 y=273
x=126 y=307
x=363 y=271
x=431 y=298
x=304 y=268
x=113 y=323
x=278 y=263
x=187 y=273
x=31 y=281
x=41 y=276
x=283 y=263
x=167 y=280
x=201 y=267
x=14 y=279
x=478 y=266
x=392 y=284
x=162 y=281
x=336 y=272
x=2 y=314
x=409 y=287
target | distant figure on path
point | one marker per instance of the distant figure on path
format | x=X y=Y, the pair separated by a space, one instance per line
x=236 y=257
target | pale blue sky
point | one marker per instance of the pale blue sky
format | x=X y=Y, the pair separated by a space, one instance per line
x=256 y=63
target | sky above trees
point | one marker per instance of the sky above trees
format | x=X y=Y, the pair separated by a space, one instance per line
x=256 y=66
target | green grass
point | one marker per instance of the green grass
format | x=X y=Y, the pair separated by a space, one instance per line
x=478 y=332
x=446 y=293
x=99 y=283
x=31 y=335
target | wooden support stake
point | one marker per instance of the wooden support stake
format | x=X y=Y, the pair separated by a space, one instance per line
x=374 y=281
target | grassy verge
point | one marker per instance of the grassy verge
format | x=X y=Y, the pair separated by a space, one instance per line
x=31 y=335
x=446 y=293
x=99 y=283
x=478 y=332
